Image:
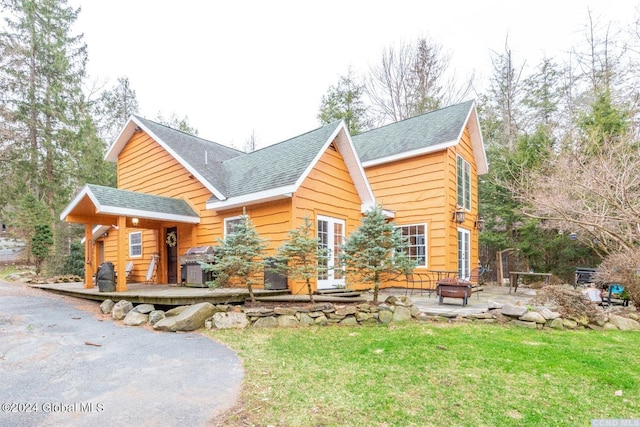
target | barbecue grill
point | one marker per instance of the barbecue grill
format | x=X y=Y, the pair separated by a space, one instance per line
x=192 y=272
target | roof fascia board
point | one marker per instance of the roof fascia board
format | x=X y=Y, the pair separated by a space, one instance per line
x=85 y=191
x=128 y=131
x=408 y=154
x=253 y=198
x=355 y=167
x=128 y=212
x=477 y=143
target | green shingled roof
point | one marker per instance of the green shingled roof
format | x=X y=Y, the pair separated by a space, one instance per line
x=275 y=166
x=420 y=132
x=108 y=197
x=205 y=157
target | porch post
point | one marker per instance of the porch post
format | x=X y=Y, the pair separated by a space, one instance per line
x=121 y=283
x=89 y=268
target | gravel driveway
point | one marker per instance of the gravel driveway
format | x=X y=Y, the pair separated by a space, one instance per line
x=62 y=364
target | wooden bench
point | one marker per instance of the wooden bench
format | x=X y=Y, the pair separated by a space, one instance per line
x=453 y=288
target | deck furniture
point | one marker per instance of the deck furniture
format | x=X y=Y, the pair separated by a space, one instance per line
x=514 y=276
x=418 y=281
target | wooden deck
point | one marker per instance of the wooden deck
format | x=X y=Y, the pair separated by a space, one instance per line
x=172 y=295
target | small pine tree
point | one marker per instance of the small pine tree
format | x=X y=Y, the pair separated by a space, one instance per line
x=74 y=263
x=239 y=255
x=40 y=244
x=299 y=254
x=376 y=251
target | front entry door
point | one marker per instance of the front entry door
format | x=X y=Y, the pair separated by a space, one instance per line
x=171 y=239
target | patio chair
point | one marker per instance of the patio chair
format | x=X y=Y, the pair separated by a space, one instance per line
x=473 y=280
x=127 y=270
x=414 y=280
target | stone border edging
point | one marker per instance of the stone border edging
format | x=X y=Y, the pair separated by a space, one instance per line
x=394 y=309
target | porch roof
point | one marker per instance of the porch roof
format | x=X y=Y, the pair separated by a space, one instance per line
x=94 y=204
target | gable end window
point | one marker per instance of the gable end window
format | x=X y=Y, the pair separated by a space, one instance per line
x=135 y=244
x=416 y=236
x=463 y=171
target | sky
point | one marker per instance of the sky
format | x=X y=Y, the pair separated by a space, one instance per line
x=237 y=68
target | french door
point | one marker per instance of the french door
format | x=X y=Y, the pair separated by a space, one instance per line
x=464 y=253
x=331 y=238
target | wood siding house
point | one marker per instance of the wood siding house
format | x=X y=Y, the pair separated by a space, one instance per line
x=176 y=191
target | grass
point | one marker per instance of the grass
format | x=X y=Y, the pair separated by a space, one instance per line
x=424 y=374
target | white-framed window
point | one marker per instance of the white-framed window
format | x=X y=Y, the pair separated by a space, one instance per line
x=464 y=253
x=330 y=233
x=230 y=223
x=463 y=170
x=416 y=235
x=135 y=244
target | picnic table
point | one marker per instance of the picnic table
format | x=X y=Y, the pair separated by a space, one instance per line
x=515 y=275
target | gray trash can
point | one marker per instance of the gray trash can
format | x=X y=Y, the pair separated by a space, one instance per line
x=106 y=277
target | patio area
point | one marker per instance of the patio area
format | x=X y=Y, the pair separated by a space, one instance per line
x=477 y=303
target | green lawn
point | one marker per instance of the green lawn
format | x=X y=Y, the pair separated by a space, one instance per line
x=425 y=374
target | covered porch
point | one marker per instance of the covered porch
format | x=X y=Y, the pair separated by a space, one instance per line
x=105 y=210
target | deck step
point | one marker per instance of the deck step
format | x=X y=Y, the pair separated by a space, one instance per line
x=349 y=293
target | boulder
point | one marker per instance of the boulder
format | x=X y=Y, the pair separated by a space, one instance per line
x=323 y=306
x=266 y=322
x=513 y=310
x=285 y=311
x=363 y=316
x=624 y=323
x=482 y=316
x=168 y=324
x=287 y=321
x=176 y=310
x=523 y=324
x=533 y=316
x=305 y=319
x=134 y=318
x=556 y=323
x=120 y=309
x=609 y=327
x=144 y=308
x=321 y=320
x=258 y=312
x=194 y=316
x=385 y=316
x=548 y=314
x=155 y=316
x=492 y=305
x=349 y=321
x=106 y=306
x=230 y=320
x=346 y=310
x=401 y=314
x=415 y=311
x=569 y=323
x=401 y=300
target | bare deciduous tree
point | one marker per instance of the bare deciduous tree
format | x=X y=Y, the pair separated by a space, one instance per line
x=412 y=79
x=596 y=196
